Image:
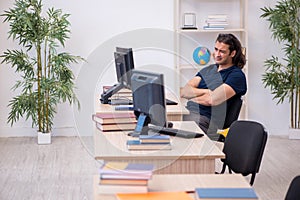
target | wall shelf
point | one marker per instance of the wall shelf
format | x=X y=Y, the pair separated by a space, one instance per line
x=186 y=40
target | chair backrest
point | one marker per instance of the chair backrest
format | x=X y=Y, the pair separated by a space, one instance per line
x=293 y=192
x=232 y=114
x=244 y=147
x=233 y=111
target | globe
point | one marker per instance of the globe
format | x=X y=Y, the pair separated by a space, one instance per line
x=201 y=55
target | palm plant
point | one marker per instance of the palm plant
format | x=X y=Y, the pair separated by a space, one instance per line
x=283 y=77
x=46 y=79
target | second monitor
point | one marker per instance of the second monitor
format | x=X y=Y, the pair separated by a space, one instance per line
x=124 y=64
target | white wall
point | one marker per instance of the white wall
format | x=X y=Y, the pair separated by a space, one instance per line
x=98 y=26
x=261 y=106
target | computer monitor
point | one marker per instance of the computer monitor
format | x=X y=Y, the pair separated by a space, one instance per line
x=129 y=64
x=124 y=64
x=149 y=102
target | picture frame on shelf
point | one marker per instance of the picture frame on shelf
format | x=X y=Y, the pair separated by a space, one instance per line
x=189 y=21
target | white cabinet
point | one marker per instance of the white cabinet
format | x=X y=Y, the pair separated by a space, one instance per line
x=186 y=40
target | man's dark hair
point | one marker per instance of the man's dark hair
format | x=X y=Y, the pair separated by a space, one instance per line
x=234 y=44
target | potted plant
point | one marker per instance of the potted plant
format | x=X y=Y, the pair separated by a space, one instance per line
x=46 y=79
x=283 y=76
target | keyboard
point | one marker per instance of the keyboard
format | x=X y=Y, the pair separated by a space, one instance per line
x=170 y=102
x=120 y=102
x=129 y=102
x=124 y=107
x=175 y=132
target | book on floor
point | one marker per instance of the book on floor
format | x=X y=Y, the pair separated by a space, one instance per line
x=225 y=193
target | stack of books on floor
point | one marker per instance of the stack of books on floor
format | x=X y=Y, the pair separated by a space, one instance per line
x=225 y=193
x=123 y=177
x=150 y=142
x=216 y=22
x=114 y=121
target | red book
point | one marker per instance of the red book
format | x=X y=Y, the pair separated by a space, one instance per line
x=114 y=118
x=116 y=127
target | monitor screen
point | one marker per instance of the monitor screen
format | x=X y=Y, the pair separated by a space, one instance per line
x=129 y=64
x=148 y=98
x=120 y=65
x=124 y=64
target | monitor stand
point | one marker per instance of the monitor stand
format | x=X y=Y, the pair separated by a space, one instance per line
x=111 y=91
x=141 y=126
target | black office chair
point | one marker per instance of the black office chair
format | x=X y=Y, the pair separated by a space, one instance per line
x=232 y=114
x=293 y=192
x=244 y=147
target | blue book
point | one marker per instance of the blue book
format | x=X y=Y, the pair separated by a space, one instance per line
x=125 y=168
x=162 y=139
x=138 y=145
x=225 y=193
x=154 y=137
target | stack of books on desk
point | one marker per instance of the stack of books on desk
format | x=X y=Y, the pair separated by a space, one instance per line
x=150 y=142
x=114 y=121
x=123 y=177
x=124 y=92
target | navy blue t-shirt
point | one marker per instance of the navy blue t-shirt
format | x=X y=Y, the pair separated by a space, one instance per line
x=211 y=79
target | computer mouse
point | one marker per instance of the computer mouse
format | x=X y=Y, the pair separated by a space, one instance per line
x=169 y=124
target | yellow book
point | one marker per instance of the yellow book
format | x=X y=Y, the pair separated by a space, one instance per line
x=154 y=196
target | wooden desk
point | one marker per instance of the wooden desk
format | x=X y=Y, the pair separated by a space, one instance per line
x=187 y=155
x=184 y=182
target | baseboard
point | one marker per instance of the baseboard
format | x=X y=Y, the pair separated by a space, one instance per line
x=294 y=134
x=31 y=132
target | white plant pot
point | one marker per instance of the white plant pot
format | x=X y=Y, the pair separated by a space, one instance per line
x=44 y=138
x=294 y=133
